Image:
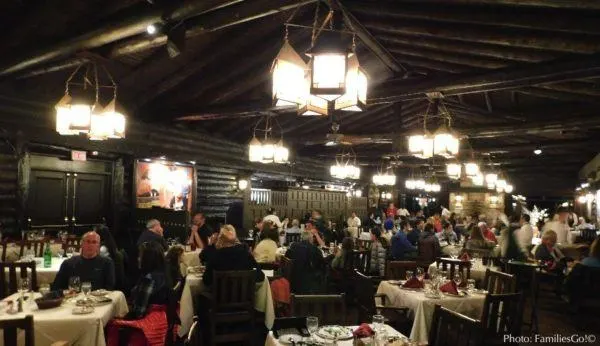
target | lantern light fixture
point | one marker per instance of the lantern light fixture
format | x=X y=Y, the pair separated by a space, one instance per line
x=288 y=72
x=454 y=170
x=328 y=66
x=345 y=166
x=444 y=142
x=472 y=170
x=270 y=149
x=384 y=178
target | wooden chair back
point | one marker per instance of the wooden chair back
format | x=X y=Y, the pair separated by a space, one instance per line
x=291 y=238
x=396 y=270
x=11 y=286
x=587 y=235
x=11 y=330
x=4 y=246
x=455 y=265
x=73 y=242
x=360 y=260
x=285 y=268
x=38 y=247
x=496 y=282
x=330 y=309
x=449 y=328
x=502 y=315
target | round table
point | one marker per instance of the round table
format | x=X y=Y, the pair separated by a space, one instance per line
x=477 y=269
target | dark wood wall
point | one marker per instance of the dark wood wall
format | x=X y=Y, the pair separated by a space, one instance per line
x=9 y=171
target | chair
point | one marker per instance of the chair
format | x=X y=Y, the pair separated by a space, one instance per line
x=291 y=238
x=285 y=268
x=330 y=309
x=71 y=241
x=496 y=282
x=396 y=270
x=502 y=315
x=587 y=235
x=232 y=305
x=397 y=317
x=10 y=287
x=527 y=279
x=37 y=245
x=449 y=328
x=362 y=244
x=4 y=245
x=463 y=267
x=583 y=285
x=268 y=266
x=11 y=327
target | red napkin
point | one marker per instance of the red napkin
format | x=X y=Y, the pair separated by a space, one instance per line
x=413 y=283
x=465 y=257
x=449 y=287
x=363 y=331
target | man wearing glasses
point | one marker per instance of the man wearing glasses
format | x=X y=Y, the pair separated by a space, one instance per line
x=89 y=266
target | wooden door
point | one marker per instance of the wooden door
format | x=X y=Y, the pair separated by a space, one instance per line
x=90 y=199
x=48 y=199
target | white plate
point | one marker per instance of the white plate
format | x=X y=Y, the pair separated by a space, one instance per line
x=288 y=339
x=330 y=332
x=99 y=293
x=82 y=310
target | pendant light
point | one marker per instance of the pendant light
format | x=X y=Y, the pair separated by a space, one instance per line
x=345 y=166
x=288 y=71
x=454 y=170
x=328 y=66
x=490 y=180
x=384 y=178
x=472 y=169
x=268 y=149
x=355 y=97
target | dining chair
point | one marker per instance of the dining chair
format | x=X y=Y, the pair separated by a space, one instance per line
x=502 y=315
x=464 y=267
x=291 y=238
x=370 y=303
x=527 y=281
x=231 y=307
x=11 y=328
x=449 y=328
x=37 y=245
x=360 y=260
x=285 y=268
x=4 y=246
x=11 y=286
x=496 y=282
x=582 y=286
x=329 y=308
x=71 y=241
x=396 y=270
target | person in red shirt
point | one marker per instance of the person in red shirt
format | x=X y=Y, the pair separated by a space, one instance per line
x=487 y=233
x=391 y=211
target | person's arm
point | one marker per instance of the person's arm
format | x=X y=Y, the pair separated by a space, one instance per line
x=318 y=237
x=61 y=281
x=405 y=243
x=109 y=275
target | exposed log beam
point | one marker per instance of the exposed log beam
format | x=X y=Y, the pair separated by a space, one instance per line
x=116 y=29
x=502 y=79
x=370 y=41
x=455 y=58
x=563 y=42
x=586 y=22
x=563 y=4
x=240 y=13
x=255 y=79
x=251 y=109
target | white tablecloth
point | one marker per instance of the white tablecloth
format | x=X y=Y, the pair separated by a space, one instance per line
x=477 y=270
x=12 y=250
x=194 y=286
x=59 y=324
x=190 y=259
x=272 y=341
x=421 y=307
x=45 y=275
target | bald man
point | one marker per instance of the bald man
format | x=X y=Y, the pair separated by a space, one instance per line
x=89 y=266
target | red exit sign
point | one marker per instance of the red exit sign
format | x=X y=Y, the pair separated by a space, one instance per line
x=77 y=155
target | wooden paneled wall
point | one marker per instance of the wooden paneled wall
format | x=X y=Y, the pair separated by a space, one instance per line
x=216 y=191
x=9 y=205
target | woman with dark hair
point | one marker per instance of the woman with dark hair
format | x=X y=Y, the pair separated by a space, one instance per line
x=174 y=258
x=343 y=256
x=477 y=241
x=147 y=317
x=428 y=248
x=109 y=249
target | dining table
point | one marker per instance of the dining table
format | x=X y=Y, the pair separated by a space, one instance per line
x=189 y=259
x=389 y=331
x=194 y=286
x=13 y=249
x=478 y=269
x=61 y=324
x=421 y=307
x=45 y=275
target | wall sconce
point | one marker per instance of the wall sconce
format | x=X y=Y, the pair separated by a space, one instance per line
x=242 y=184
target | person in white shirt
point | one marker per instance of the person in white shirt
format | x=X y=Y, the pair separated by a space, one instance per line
x=524 y=235
x=353 y=225
x=273 y=218
x=560 y=227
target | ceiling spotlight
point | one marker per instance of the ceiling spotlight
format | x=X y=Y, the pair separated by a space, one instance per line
x=537 y=151
x=151 y=29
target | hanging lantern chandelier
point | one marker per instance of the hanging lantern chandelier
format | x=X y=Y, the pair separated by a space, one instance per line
x=345 y=166
x=444 y=142
x=454 y=170
x=490 y=180
x=268 y=149
x=288 y=71
x=384 y=178
x=472 y=169
x=79 y=111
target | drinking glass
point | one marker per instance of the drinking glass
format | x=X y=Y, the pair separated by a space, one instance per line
x=74 y=284
x=86 y=287
x=312 y=324
x=420 y=273
x=44 y=289
x=378 y=322
x=70 y=251
x=470 y=285
x=409 y=275
x=23 y=288
x=60 y=253
x=457 y=278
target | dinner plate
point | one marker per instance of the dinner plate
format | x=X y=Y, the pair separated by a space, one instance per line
x=478 y=291
x=335 y=332
x=288 y=339
x=82 y=310
x=461 y=294
x=99 y=293
x=397 y=282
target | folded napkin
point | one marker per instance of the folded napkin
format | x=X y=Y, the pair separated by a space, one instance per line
x=465 y=257
x=449 y=287
x=363 y=331
x=413 y=283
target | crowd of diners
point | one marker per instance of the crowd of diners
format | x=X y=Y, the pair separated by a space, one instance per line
x=395 y=234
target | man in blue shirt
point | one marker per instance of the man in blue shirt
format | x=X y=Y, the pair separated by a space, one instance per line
x=402 y=248
x=414 y=234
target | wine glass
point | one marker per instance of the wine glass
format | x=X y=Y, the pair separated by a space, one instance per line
x=74 y=284
x=457 y=278
x=409 y=275
x=470 y=285
x=60 y=253
x=312 y=324
x=378 y=322
x=23 y=287
x=86 y=287
x=70 y=251
x=420 y=273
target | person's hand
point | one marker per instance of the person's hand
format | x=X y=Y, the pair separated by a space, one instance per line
x=213 y=238
x=194 y=228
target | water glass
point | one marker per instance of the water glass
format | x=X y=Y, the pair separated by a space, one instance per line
x=86 y=288
x=457 y=278
x=44 y=289
x=60 y=253
x=312 y=324
x=70 y=252
x=409 y=274
x=420 y=273
x=470 y=285
x=378 y=322
x=74 y=284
